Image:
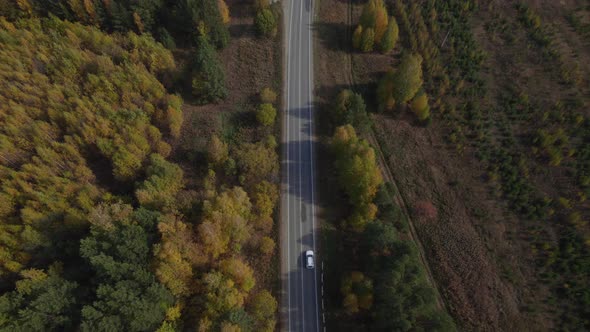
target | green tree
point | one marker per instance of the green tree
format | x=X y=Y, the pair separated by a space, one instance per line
x=208 y=81
x=42 y=301
x=420 y=106
x=266 y=114
x=407 y=79
x=372 y=28
x=118 y=251
x=349 y=108
x=390 y=37
x=266 y=22
x=205 y=13
x=367 y=40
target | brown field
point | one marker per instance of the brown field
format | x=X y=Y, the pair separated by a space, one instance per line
x=483 y=255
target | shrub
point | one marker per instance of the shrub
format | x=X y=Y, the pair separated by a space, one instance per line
x=267 y=245
x=425 y=209
x=266 y=114
x=266 y=23
x=268 y=96
x=420 y=106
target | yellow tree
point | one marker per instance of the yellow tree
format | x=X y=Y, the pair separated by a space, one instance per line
x=358 y=174
x=239 y=272
x=223 y=11
x=420 y=106
x=175 y=255
x=381 y=20
x=217 y=151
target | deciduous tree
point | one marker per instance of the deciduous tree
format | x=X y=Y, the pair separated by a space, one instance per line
x=266 y=22
x=266 y=114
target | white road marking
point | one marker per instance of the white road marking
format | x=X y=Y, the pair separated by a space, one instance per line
x=288 y=166
x=300 y=167
x=311 y=155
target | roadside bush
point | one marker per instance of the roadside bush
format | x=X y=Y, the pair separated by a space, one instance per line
x=267 y=245
x=266 y=23
x=268 y=96
x=266 y=114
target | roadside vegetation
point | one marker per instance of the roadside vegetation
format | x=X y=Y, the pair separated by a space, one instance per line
x=383 y=285
x=108 y=220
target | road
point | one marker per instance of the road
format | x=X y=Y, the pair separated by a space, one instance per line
x=300 y=302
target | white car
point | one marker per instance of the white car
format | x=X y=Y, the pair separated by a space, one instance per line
x=309 y=259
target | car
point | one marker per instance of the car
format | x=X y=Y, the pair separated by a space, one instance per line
x=309 y=259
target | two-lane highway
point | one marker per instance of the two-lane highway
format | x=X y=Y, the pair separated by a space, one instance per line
x=300 y=309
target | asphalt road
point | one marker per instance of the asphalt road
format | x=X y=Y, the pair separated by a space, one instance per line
x=300 y=302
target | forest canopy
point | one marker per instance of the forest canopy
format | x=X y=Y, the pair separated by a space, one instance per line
x=73 y=98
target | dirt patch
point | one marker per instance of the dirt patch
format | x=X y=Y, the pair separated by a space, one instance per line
x=469 y=246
